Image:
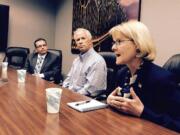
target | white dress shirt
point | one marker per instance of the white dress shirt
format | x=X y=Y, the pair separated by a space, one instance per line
x=88 y=74
x=39 y=62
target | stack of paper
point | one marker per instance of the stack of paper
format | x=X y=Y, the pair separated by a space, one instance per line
x=87 y=105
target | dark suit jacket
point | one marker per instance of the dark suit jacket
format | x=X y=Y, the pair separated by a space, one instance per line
x=50 y=67
x=159 y=94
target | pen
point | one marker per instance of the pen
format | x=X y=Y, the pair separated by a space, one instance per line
x=83 y=102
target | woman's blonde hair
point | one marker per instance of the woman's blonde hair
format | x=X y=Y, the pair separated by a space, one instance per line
x=140 y=35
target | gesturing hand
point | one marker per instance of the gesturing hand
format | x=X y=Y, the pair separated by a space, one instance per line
x=132 y=106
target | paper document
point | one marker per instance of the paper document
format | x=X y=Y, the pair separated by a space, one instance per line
x=87 y=105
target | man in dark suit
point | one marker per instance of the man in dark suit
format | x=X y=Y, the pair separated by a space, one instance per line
x=43 y=63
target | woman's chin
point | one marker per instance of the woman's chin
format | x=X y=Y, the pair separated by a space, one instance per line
x=119 y=63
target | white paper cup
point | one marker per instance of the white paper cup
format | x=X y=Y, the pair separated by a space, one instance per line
x=21 y=73
x=4 y=65
x=53 y=97
x=4 y=70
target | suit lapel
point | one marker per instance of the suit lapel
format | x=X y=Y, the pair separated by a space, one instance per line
x=45 y=62
x=34 y=60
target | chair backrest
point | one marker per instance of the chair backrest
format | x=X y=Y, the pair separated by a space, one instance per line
x=59 y=53
x=112 y=69
x=173 y=65
x=58 y=78
x=110 y=59
x=16 y=56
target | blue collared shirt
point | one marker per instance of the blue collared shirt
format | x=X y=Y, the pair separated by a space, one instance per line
x=88 y=74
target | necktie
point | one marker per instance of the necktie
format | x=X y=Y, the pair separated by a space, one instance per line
x=39 y=64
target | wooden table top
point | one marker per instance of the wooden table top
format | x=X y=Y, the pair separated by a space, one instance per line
x=23 y=112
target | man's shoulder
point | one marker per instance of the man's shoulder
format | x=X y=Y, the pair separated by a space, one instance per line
x=52 y=55
x=98 y=57
x=33 y=54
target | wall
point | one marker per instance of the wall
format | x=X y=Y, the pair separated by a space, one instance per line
x=63 y=33
x=30 y=19
x=163 y=19
x=161 y=16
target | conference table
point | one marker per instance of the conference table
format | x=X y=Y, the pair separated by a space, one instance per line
x=23 y=112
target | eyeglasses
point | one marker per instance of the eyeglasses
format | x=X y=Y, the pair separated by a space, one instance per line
x=119 y=42
x=39 y=46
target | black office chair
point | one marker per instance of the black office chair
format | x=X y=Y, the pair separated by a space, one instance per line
x=16 y=57
x=112 y=69
x=58 y=78
x=173 y=65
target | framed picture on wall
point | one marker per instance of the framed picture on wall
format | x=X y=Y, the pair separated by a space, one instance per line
x=99 y=16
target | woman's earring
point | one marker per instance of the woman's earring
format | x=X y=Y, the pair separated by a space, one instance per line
x=138 y=53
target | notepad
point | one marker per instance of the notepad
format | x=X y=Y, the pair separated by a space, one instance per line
x=87 y=105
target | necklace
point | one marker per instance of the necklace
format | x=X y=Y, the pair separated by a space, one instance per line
x=130 y=81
